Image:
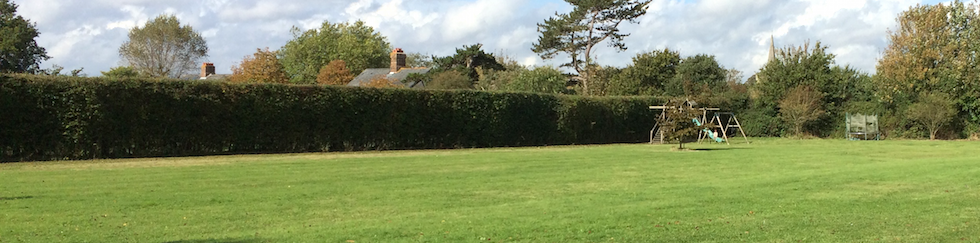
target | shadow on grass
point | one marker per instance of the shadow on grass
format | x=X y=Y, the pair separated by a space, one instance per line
x=15 y=198
x=230 y=240
x=716 y=149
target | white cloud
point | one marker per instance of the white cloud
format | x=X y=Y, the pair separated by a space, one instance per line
x=64 y=48
x=530 y=61
x=263 y=10
x=474 y=18
x=88 y=33
x=136 y=18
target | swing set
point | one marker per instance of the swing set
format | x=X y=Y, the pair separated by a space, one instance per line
x=725 y=122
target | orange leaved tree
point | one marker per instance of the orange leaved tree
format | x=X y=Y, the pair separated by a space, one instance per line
x=261 y=67
x=335 y=73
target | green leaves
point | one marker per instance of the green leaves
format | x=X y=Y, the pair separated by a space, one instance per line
x=677 y=124
x=358 y=45
x=122 y=72
x=466 y=61
x=933 y=110
x=933 y=50
x=800 y=105
x=163 y=48
x=697 y=75
x=648 y=74
x=19 y=52
x=539 y=80
x=576 y=33
x=54 y=117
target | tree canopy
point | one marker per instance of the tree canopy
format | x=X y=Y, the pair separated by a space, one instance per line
x=466 y=61
x=539 y=80
x=261 y=67
x=577 y=33
x=935 y=48
x=648 y=73
x=335 y=73
x=801 y=104
x=695 y=75
x=358 y=45
x=933 y=110
x=121 y=72
x=19 y=52
x=677 y=123
x=164 y=48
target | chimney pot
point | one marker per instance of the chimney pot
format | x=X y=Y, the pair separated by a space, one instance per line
x=398 y=60
x=207 y=69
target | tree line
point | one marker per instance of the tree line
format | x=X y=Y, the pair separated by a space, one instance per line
x=926 y=83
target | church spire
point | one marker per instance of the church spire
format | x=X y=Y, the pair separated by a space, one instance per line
x=772 y=48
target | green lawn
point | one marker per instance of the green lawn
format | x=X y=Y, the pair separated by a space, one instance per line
x=773 y=190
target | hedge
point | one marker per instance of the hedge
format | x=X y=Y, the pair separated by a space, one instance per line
x=58 y=118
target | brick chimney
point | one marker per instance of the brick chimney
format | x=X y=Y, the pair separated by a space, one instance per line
x=398 y=59
x=207 y=69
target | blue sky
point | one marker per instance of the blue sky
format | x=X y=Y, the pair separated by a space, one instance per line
x=87 y=34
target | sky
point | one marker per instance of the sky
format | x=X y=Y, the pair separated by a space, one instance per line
x=87 y=33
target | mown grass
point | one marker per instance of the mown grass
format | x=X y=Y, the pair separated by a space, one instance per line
x=774 y=190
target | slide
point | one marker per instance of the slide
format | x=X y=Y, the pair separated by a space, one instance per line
x=711 y=134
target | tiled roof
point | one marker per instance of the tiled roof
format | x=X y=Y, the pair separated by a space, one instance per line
x=395 y=78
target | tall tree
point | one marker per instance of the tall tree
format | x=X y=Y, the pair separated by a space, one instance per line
x=357 y=44
x=164 y=48
x=416 y=59
x=261 y=67
x=466 y=61
x=792 y=67
x=696 y=74
x=590 y=23
x=933 y=45
x=19 y=52
x=648 y=73
x=935 y=48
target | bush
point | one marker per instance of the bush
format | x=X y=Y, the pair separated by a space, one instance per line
x=932 y=111
x=449 y=80
x=335 y=73
x=53 y=118
x=540 y=80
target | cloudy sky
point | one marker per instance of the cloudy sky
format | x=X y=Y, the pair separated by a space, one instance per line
x=87 y=33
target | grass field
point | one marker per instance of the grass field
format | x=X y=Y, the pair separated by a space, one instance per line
x=773 y=190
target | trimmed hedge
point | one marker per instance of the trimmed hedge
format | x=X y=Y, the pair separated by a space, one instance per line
x=56 y=118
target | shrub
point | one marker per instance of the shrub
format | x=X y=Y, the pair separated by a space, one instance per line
x=335 y=73
x=261 y=67
x=540 y=80
x=52 y=118
x=449 y=80
x=800 y=106
x=932 y=111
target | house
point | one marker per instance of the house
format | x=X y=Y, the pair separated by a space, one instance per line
x=208 y=73
x=395 y=74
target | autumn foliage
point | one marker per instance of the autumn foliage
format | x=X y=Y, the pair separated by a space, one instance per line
x=802 y=104
x=261 y=67
x=335 y=73
x=380 y=81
